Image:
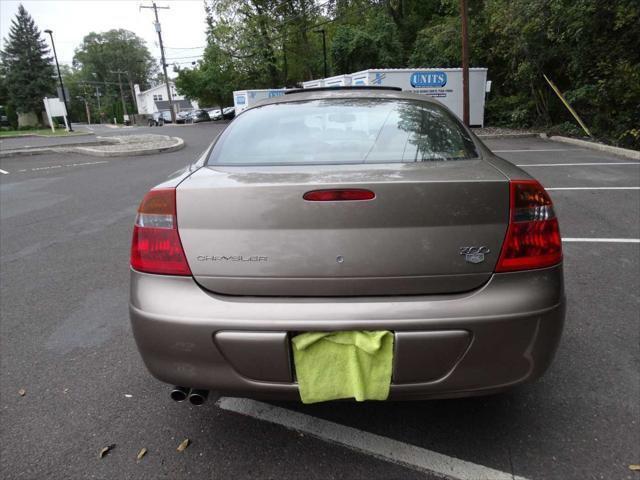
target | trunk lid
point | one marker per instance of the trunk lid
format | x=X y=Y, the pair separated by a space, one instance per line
x=248 y=230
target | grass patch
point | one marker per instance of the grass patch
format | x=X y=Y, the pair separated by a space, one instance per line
x=45 y=132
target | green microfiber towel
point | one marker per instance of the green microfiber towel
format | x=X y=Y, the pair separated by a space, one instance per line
x=334 y=365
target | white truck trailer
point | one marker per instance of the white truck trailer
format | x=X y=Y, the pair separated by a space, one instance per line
x=444 y=84
x=243 y=99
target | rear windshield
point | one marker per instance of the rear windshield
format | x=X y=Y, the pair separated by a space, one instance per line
x=343 y=131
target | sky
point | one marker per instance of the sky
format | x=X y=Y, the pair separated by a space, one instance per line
x=183 y=25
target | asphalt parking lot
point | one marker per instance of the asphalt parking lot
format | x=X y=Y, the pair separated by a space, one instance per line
x=65 y=339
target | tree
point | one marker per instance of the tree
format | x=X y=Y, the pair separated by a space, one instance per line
x=590 y=48
x=374 y=43
x=28 y=71
x=212 y=82
x=101 y=55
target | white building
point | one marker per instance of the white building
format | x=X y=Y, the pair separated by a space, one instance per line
x=155 y=99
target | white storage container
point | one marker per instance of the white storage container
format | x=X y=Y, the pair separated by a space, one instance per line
x=313 y=83
x=243 y=99
x=444 y=84
x=338 y=81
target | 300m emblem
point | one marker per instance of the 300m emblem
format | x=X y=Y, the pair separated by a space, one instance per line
x=474 y=254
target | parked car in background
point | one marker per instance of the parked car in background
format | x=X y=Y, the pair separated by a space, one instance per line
x=4 y=119
x=214 y=113
x=160 y=118
x=228 y=113
x=198 y=116
x=184 y=116
x=347 y=209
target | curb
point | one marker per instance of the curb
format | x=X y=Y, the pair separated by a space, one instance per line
x=179 y=144
x=87 y=150
x=27 y=153
x=35 y=135
x=509 y=135
x=623 y=152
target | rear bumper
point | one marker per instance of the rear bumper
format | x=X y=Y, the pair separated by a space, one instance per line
x=484 y=341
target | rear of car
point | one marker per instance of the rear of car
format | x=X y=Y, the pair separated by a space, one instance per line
x=348 y=210
x=215 y=113
x=199 y=116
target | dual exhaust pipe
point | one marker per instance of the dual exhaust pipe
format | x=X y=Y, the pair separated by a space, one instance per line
x=194 y=395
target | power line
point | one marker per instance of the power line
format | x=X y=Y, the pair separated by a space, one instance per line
x=182 y=58
x=184 y=48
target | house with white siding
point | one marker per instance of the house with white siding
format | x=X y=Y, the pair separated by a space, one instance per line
x=155 y=99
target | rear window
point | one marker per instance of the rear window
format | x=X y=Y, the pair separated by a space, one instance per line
x=343 y=131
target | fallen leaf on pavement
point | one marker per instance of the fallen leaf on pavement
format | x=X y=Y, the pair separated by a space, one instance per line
x=105 y=450
x=22 y=392
x=141 y=454
x=183 y=445
x=635 y=468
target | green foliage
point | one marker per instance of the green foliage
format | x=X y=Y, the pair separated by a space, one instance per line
x=213 y=81
x=372 y=43
x=28 y=74
x=95 y=65
x=102 y=54
x=589 y=48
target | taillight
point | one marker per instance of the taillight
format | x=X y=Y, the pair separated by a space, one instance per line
x=156 y=246
x=339 y=195
x=533 y=237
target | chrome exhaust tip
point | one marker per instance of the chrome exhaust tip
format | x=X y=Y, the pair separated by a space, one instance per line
x=179 y=394
x=198 y=397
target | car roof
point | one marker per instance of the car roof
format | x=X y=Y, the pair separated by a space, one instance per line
x=348 y=92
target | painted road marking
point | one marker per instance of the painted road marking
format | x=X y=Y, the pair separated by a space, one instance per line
x=540 y=150
x=4 y=172
x=602 y=240
x=592 y=188
x=53 y=167
x=384 y=448
x=575 y=164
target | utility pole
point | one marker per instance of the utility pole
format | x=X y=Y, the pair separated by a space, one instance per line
x=86 y=107
x=464 y=13
x=98 y=95
x=324 y=48
x=133 y=93
x=164 y=64
x=64 y=95
x=124 y=105
x=86 y=104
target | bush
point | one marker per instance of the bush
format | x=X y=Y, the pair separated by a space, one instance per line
x=516 y=111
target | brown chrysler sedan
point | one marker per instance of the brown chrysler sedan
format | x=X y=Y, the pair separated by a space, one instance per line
x=347 y=209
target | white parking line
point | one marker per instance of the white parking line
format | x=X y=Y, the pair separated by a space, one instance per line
x=602 y=240
x=575 y=164
x=540 y=150
x=52 y=167
x=368 y=443
x=4 y=172
x=592 y=188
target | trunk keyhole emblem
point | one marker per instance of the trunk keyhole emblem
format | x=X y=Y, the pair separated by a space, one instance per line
x=340 y=259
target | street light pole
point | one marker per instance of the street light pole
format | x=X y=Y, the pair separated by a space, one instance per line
x=64 y=95
x=324 y=49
